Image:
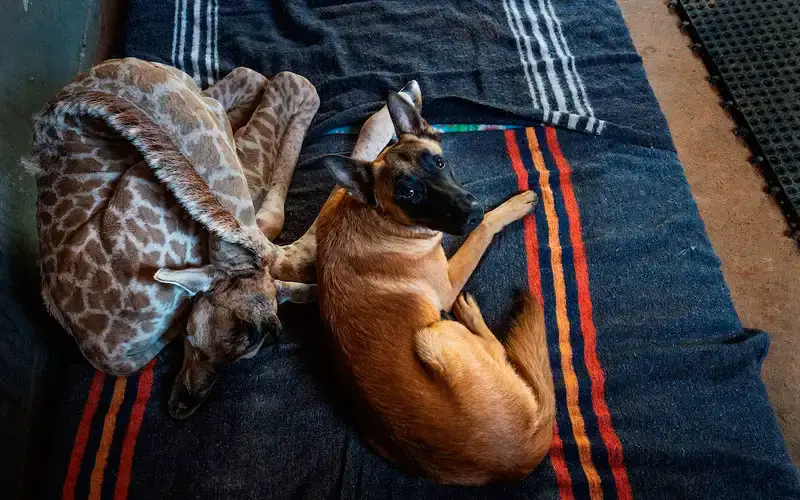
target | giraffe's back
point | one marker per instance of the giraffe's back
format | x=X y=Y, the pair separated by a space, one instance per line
x=106 y=224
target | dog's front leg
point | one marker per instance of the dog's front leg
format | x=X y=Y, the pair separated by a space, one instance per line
x=461 y=265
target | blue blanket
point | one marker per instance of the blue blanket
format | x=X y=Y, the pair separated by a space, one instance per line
x=657 y=384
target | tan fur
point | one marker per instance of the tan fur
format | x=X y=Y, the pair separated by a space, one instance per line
x=441 y=398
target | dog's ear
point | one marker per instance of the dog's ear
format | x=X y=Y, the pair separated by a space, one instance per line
x=405 y=117
x=356 y=176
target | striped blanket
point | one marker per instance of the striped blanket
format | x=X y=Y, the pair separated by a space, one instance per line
x=529 y=61
x=657 y=383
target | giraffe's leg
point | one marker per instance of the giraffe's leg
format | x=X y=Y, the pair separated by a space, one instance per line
x=296 y=293
x=269 y=145
x=120 y=362
x=295 y=262
x=141 y=358
x=282 y=150
x=239 y=92
x=378 y=130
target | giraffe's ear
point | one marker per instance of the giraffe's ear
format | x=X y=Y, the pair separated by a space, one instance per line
x=194 y=280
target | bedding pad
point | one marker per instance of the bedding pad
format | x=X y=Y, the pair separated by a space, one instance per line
x=657 y=384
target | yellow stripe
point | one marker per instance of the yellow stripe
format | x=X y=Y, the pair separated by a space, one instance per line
x=562 y=321
x=109 y=425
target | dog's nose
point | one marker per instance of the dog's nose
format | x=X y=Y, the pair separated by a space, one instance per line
x=475 y=211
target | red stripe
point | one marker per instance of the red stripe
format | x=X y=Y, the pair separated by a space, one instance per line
x=607 y=433
x=132 y=432
x=563 y=478
x=531 y=242
x=82 y=436
x=560 y=466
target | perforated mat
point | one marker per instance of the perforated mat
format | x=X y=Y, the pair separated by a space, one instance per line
x=752 y=50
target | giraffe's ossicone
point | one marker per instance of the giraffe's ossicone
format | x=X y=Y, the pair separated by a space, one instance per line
x=155 y=203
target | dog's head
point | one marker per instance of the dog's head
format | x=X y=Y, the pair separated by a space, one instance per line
x=410 y=182
x=230 y=318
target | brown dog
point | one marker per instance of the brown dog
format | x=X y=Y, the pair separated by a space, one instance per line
x=442 y=398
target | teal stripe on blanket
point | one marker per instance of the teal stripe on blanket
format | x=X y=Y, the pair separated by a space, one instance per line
x=441 y=128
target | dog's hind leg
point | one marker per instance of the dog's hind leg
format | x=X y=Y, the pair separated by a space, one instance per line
x=469 y=314
x=466 y=259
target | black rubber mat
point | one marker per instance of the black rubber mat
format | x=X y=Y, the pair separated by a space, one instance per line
x=752 y=50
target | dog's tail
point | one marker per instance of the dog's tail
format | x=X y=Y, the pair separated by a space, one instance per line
x=527 y=350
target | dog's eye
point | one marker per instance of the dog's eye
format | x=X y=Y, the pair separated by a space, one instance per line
x=440 y=162
x=406 y=192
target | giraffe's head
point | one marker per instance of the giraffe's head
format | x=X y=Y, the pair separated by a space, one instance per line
x=232 y=314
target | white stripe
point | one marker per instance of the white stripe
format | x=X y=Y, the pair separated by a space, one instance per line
x=556 y=117
x=175 y=30
x=590 y=124
x=183 y=34
x=531 y=59
x=521 y=55
x=560 y=31
x=573 y=121
x=216 y=39
x=196 y=43
x=544 y=50
x=601 y=127
x=563 y=58
x=209 y=20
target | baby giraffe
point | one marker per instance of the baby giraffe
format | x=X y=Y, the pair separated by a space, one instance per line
x=444 y=399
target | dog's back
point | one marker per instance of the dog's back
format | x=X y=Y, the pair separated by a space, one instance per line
x=430 y=395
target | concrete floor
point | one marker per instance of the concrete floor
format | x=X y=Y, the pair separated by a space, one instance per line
x=761 y=265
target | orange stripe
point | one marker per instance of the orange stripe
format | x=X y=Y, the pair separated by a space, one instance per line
x=609 y=436
x=134 y=424
x=96 y=481
x=82 y=436
x=563 y=478
x=562 y=321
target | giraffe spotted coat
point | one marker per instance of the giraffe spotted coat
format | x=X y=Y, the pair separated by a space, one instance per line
x=151 y=192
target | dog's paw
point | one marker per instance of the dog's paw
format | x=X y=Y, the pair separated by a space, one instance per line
x=515 y=208
x=468 y=313
x=521 y=204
